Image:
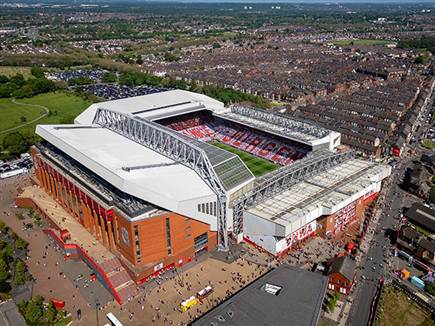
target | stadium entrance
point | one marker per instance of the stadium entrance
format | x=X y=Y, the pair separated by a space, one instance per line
x=201 y=244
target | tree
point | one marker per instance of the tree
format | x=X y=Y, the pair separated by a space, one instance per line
x=4 y=270
x=109 y=77
x=5 y=90
x=430 y=288
x=18 y=80
x=37 y=72
x=33 y=312
x=333 y=302
x=432 y=195
x=20 y=272
x=21 y=244
x=25 y=91
x=169 y=57
x=4 y=79
x=2 y=225
x=14 y=143
x=50 y=313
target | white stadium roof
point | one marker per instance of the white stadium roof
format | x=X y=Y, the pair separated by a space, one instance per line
x=322 y=194
x=165 y=183
x=154 y=106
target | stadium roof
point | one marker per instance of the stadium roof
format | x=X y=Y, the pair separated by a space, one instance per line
x=284 y=296
x=278 y=124
x=160 y=180
x=154 y=106
x=322 y=194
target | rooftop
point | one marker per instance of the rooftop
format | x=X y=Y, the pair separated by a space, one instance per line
x=327 y=191
x=422 y=216
x=344 y=266
x=154 y=106
x=108 y=154
x=281 y=125
x=285 y=296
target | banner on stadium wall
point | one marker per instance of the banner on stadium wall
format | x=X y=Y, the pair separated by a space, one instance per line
x=300 y=234
x=158 y=267
x=344 y=215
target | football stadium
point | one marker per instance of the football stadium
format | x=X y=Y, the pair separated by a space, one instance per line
x=146 y=184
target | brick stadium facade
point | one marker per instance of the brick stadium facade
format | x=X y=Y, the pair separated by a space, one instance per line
x=144 y=247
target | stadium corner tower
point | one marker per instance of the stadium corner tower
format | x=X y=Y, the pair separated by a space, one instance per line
x=158 y=179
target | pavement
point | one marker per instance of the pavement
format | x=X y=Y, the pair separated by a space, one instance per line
x=44 y=263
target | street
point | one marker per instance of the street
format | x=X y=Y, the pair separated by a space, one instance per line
x=375 y=262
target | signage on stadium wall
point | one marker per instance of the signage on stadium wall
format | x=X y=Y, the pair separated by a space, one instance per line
x=158 y=267
x=344 y=215
x=300 y=234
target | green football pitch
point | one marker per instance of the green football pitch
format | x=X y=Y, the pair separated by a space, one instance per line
x=257 y=165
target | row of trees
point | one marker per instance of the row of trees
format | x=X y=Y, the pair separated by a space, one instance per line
x=37 y=312
x=16 y=143
x=19 y=87
x=426 y=43
x=13 y=270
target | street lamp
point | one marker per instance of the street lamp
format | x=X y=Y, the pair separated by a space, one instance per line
x=97 y=305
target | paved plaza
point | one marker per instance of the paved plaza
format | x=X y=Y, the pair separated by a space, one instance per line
x=159 y=300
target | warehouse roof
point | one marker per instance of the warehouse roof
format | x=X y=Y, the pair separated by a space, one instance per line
x=285 y=296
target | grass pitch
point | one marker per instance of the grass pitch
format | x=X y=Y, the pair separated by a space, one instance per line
x=257 y=165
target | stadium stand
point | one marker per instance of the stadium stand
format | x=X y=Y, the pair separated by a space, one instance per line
x=204 y=127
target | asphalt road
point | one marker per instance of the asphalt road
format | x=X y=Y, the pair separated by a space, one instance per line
x=374 y=262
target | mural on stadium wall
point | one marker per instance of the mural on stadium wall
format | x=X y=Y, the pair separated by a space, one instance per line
x=296 y=236
x=344 y=216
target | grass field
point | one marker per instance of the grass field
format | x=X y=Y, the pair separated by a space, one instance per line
x=10 y=71
x=12 y=113
x=399 y=310
x=361 y=42
x=429 y=144
x=257 y=165
x=63 y=108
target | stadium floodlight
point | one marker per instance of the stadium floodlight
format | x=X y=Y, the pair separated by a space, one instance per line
x=169 y=143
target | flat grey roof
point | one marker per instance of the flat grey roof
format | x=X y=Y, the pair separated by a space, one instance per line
x=9 y=314
x=298 y=302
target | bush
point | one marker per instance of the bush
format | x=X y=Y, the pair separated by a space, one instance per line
x=332 y=302
x=430 y=288
x=21 y=244
x=20 y=272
